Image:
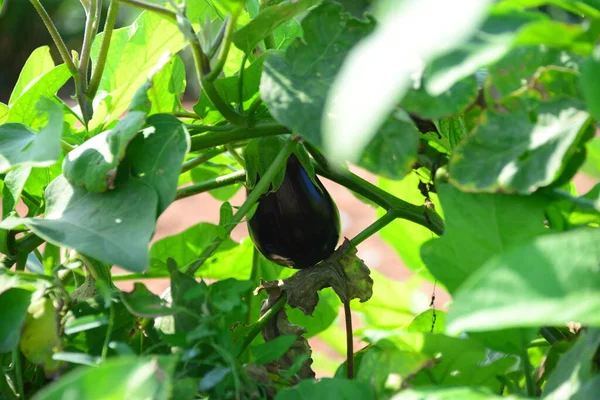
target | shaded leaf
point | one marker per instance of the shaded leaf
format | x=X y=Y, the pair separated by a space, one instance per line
x=19 y=145
x=589 y=83
x=480 y=226
x=13 y=303
x=554 y=276
x=272 y=350
x=143 y=303
x=330 y=388
x=14 y=182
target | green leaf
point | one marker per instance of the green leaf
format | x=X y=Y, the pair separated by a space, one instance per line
x=134 y=53
x=39 y=63
x=357 y=106
x=330 y=388
x=14 y=181
x=453 y=101
x=573 y=373
x=592 y=161
x=3 y=112
x=589 y=83
x=480 y=225
x=405 y=236
x=185 y=247
x=25 y=109
x=84 y=323
x=114 y=227
x=13 y=303
x=550 y=280
x=433 y=321
x=267 y=21
x=393 y=150
x=39 y=336
x=510 y=153
x=449 y=393
x=324 y=315
x=131 y=377
x=301 y=79
x=167 y=87
x=143 y=303
x=19 y=145
x=155 y=156
x=93 y=165
x=272 y=350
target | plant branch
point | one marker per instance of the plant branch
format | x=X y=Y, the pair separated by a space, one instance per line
x=202 y=158
x=28 y=243
x=227 y=39
x=185 y=114
x=165 y=12
x=401 y=209
x=109 y=25
x=262 y=321
x=212 y=139
x=16 y=355
x=374 y=228
x=261 y=187
x=349 y=340
x=217 y=42
x=527 y=371
x=199 y=128
x=58 y=41
x=224 y=108
x=91 y=29
x=236 y=156
x=215 y=183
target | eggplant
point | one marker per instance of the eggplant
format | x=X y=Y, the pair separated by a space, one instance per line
x=298 y=225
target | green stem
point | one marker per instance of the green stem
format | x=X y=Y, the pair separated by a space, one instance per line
x=213 y=139
x=109 y=25
x=202 y=158
x=5 y=388
x=254 y=277
x=199 y=128
x=241 y=84
x=185 y=114
x=16 y=355
x=418 y=214
x=373 y=228
x=349 y=340
x=28 y=243
x=224 y=108
x=261 y=187
x=109 y=329
x=262 y=321
x=66 y=147
x=215 y=183
x=217 y=42
x=91 y=29
x=227 y=39
x=58 y=41
x=252 y=110
x=165 y=12
x=235 y=155
x=527 y=371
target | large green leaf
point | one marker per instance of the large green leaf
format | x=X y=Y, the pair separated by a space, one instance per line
x=13 y=306
x=114 y=227
x=393 y=151
x=155 y=156
x=590 y=85
x=404 y=236
x=14 y=182
x=267 y=21
x=573 y=377
x=130 y=377
x=167 y=87
x=38 y=63
x=3 y=112
x=479 y=226
x=550 y=280
x=295 y=86
x=367 y=88
x=510 y=153
x=25 y=109
x=134 y=52
x=324 y=315
x=449 y=393
x=19 y=145
x=330 y=388
x=93 y=165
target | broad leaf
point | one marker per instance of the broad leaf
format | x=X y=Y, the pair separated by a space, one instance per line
x=133 y=54
x=330 y=388
x=479 y=226
x=436 y=392
x=38 y=63
x=510 y=153
x=14 y=181
x=13 y=305
x=143 y=303
x=19 y=145
x=301 y=79
x=272 y=350
x=550 y=280
x=155 y=156
x=357 y=107
x=167 y=87
x=131 y=377
x=267 y=21
x=25 y=109
x=114 y=227
x=93 y=165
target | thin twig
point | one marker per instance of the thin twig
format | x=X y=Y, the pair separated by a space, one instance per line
x=111 y=17
x=349 y=340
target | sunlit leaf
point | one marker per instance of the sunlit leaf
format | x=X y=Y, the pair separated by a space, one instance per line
x=38 y=63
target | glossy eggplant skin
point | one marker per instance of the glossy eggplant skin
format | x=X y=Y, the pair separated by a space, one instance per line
x=299 y=224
